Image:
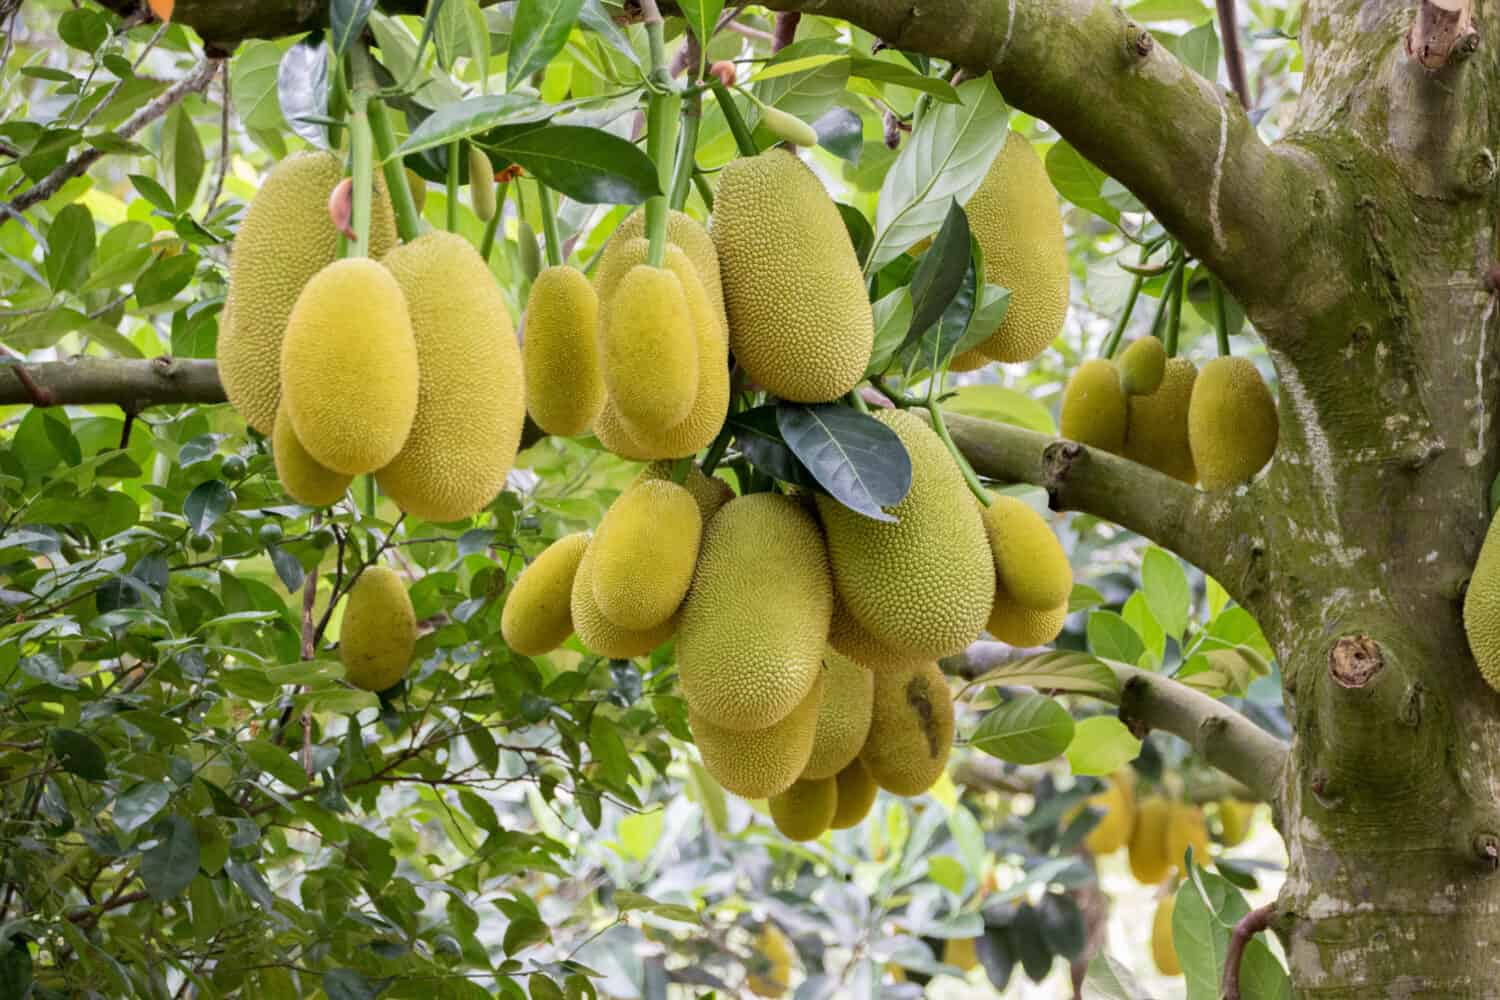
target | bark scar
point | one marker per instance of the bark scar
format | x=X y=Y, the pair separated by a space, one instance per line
x=1355 y=660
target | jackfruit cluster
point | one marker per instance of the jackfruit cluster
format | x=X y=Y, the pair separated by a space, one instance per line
x=1160 y=836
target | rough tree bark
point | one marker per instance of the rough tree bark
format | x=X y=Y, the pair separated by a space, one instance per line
x=1360 y=246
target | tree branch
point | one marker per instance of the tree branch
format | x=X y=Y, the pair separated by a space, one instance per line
x=1250 y=925
x=1442 y=32
x=127 y=383
x=1234 y=56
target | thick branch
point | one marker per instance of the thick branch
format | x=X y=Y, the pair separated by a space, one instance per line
x=1442 y=31
x=128 y=384
x=1250 y=925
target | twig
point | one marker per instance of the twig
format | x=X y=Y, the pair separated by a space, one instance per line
x=1250 y=925
x=1234 y=56
x=786 y=29
x=90 y=915
x=125 y=431
x=754 y=34
x=228 y=99
x=104 y=102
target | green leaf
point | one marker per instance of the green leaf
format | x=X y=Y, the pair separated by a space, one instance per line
x=1079 y=181
x=1217 y=597
x=702 y=16
x=1111 y=637
x=253 y=76
x=539 y=32
x=946 y=872
x=276 y=762
x=821 y=75
x=523 y=933
x=857 y=459
x=182 y=156
x=153 y=192
x=164 y=279
x=346 y=20
x=842 y=133
x=251 y=684
x=302 y=88
x=1198 y=50
x=168 y=868
x=1207 y=909
x=1165 y=585
x=83 y=29
x=1112 y=980
x=1101 y=745
x=79 y=754
x=1003 y=404
x=1030 y=729
x=70 y=247
x=1060 y=670
x=346 y=984
x=586 y=164
x=16 y=974
x=900 y=75
x=1168 y=10
x=206 y=504
x=1137 y=614
x=940 y=273
x=892 y=314
x=466 y=118
x=139 y=804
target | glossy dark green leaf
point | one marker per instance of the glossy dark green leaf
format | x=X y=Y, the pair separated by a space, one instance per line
x=165 y=278
x=302 y=88
x=758 y=435
x=347 y=984
x=15 y=968
x=469 y=117
x=287 y=566
x=993 y=950
x=1062 y=924
x=525 y=932
x=168 y=867
x=859 y=461
x=940 y=272
x=251 y=881
x=936 y=347
x=346 y=20
x=860 y=234
x=586 y=164
x=537 y=34
x=70 y=247
x=1030 y=729
x=153 y=192
x=182 y=157
x=883 y=71
x=206 y=504
x=841 y=132
x=79 y=754
x=1030 y=944
x=139 y=804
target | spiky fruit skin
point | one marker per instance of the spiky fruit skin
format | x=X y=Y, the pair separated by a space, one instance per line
x=857 y=791
x=805 y=811
x=843 y=718
x=688 y=233
x=285 y=238
x=1142 y=366
x=649 y=349
x=756 y=618
x=959 y=952
x=349 y=366
x=1186 y=828
x=1014 y=215
x=304 y=480
x=379 y=630
x=847 y=636
x=644 y=554
x=564 y=384
x=471 y=396
x=923 y=585
x=1149 y=862
x=1118 y=805
x=1157 y=429
x=710 y=492
x=911 y=729
x=1235 y=820
x=799 y=319
x=1232 y=423
x=1094 y=409
x=1029 y=560
x=538 y=614
x=602 y=636
x=968 y=361
x=761 y=762
x=776 y=975
x=1163 y=950
x=1482 y=608
x=615 y=436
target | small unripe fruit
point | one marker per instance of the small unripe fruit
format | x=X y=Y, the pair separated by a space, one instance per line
x=788 y=128
x=233 y=467
x=201 y=541
x=270 y=533
x=481 y=184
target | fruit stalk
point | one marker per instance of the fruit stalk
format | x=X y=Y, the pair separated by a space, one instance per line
x=1175 y=291
x=455 y=149
x=1221 y=318
x=737 y=126
x=972 y=480
x=687 y=150
x=361 y=151
x=408 y=221
x=549 y=225
x=661 y=114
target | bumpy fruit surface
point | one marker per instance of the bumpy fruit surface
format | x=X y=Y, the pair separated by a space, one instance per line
x=1029 y=560
x=1157 y=431
x=379 y=630
x=923 y=585
x=968 y=361
x=710 y=492
x=538 y=615
x=471 y=401
x=772 y=974
x=843 y=718
x=1094 y=408
x=1117 y=802
x=857 y=791
x=644 y=553
x=1149 y=862
x=649 y=349
x=685 y=232
x=848 y=636
x=760 y=762
x=349 y=366
x=911 y=729
x=1482 y=608
x=304 y=480
x=1232 y=425
x=1142 y=366
x=805 y=811
x=756 y=618
x=799 y=318
x=602 y=636
x=564 y=384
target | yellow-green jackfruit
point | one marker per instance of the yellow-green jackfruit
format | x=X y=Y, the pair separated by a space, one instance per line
x=761 y=762
x=379 y=630
x=756 y=618
x=418 y=187
x=849 y=637
x=471 y=401
x=710 y=492
x=805 y=811
x=786 y=127
x=304 y=480
x=1029 y=560
x=601 y=635
x=1015 y=217
x=683 y=231
x=649 y=349
x=1482 y=608
x=1094 y=407
x=1186 y=828
x=911 y=729
x=1156 y=434
x=1232 y=426
x=843 y=718
x=1149 y=862
x=924 y=584
x=1142 y=366
x=615 y=436
x=538 y=614
x=1117 y=802
x=481 y=184
x=1013 y=623
x=960 y=953
x=771 y=973
x=857 y=791
x=644 y=554
x=799 y=318
x=1235 y=820
x=968 y=361
x=1163 y=949
x=286 y=237
x=349 y=366
x=564 y=384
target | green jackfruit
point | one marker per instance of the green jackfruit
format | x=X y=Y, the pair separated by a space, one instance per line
x=1235 y=820
x=304 y=480
x=1232 y=425
x=756 y=619
x=1014 y=623
x=644 y=554
x=772 y=973
x=710 y=492
x=761 y=762
x=923 y=585
x=911 y=729
x=1094 y=407
x=1117 y=802
x=564 y=384
x=349 y=366
x=857 y=791
x=805 y=811
x=601 y=635
x=843 y=718
x=1186 y=828
x=615 y=436
x=683 y=231
x=968 y=361
x=649 y=349
x=799 y=319
x=1029 y=560
x=1014 y=215
x=418 y=187
x=1149 y=862
x=787 y=128
x=285 y=238
x=481 y=184
x=379 y=630
x=1142 y=365
x=1156 y=434
x=471 y=401
x=848 y=636
x=538 y=614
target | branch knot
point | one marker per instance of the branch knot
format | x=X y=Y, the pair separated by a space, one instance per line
x=1355 y=660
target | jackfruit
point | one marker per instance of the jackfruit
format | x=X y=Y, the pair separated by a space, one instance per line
x=968 y=361
x=843 y=718
x=1142 y=365
x=788 y=128
x=710 y=492
x=379 y=630
x=848 y=636
x=799 y=319
x=481 y=184
x=649 y=350
x=1016 y=625
x=911 y=729
x=1186 y=828
x=1232 y=426
x=1163 y=950
x=1029 y=560
x=1149 y=862
x=756 y=618
x=564 y=386
x=1235 y=820
x=601 y=635
x=1015 y=217
x=1094 y=407
x=924 y=584
x=418 y=187
x=304 y=480
x=683 y=231
x=804 y=811
x=1156 y=434
x=1482 y=608
x=471 y=398
x=1117 y=802
x=285 y=238
x=857 y=791
x=960 y=952
x=615 y=436
x=644 y=554
x=349 y=366
x=538 y=615
x=761 y=762
x=771 y=972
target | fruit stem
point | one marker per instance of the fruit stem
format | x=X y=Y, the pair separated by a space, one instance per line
x=857 y=401
x=369 y=495
x=361 y=152
x=704 y=191
x=1112 y=344
x=687 y=151
x=661 y=115
x=450 y=223
x=487 y=242
x=1173 y=303
x=737 y=127
x=941 y=426
x=1221 y=318
x=715 y=453
x=408 y=222
x=549 y=225
x=1158 y=320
